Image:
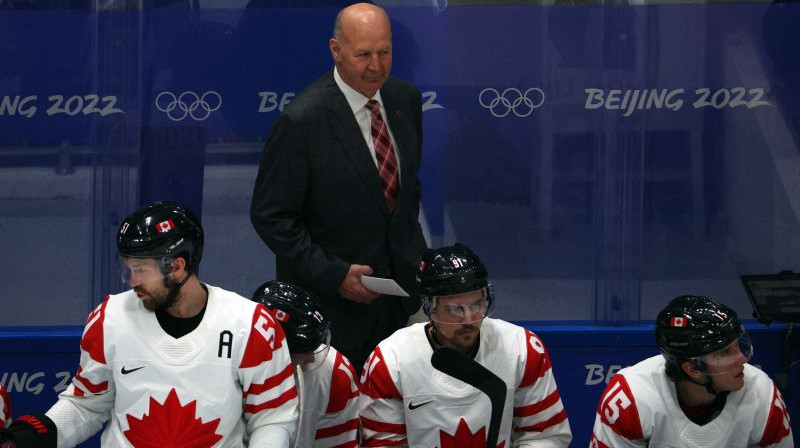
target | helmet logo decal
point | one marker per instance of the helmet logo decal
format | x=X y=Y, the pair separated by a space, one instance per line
x=318 y=316
x=165 y=226
x=124 y=228
x=281 y=315
x=677 y=322
x=457 y=262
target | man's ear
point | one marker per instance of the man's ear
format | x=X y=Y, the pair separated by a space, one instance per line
x=178 y=264
x=335 y=50
x=691 y=369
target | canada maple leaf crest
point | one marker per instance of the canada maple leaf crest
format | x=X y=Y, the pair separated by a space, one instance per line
x=464 y=438
x=171 y=425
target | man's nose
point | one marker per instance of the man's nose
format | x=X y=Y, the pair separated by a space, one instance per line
x=470 y=315
x=133 y=280
x=374 y=62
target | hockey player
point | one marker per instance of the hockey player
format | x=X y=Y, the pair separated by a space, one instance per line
x=5 y=408
x=172 y=361
x=408 y=403
x=700 y=392
x=327 y=383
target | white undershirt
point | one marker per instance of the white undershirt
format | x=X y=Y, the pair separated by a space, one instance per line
x=358 y=103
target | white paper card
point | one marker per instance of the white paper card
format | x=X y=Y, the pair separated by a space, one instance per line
x=383 y=286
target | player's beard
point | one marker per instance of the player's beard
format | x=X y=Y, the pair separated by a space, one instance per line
x=463 y=338
x=161 y=299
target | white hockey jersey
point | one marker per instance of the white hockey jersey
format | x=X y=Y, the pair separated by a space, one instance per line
x=330 y=400
x=408 y=403
x=640 y=408
x=5 y=408
x=229 y=379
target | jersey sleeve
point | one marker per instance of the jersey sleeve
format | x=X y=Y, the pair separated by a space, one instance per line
x=778 y=429
x=268 y=387
x=87 y=402
x=382 y=416
x=5 y=408
x=617 y=422
x=539 y=414
x=338 y=426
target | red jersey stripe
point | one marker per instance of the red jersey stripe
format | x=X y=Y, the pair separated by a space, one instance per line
x=270 y=404
x=91 y=387
x=531 y=409
x=552 y=421
x=271 y=382
x=337 y=429
x=374 y=425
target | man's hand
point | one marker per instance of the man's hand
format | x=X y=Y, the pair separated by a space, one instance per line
x=352 y=288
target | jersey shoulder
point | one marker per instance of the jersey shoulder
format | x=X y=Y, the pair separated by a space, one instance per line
x=768 y=406
x=627 y=403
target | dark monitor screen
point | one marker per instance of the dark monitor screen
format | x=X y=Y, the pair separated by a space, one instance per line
x=774 y=296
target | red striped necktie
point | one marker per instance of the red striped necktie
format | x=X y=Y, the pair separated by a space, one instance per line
x=384 y=152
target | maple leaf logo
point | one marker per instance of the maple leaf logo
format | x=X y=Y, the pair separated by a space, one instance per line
x=464 y=438
x=171 y=425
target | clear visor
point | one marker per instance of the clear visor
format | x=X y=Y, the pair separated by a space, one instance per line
x=461 y=308
x=140 y=272
x=312 y=360
x=730 y=358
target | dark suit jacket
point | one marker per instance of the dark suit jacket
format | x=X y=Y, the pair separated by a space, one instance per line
x=319 y=206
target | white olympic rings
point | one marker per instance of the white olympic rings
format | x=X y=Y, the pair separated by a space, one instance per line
x=510 y=100
x=188 y=103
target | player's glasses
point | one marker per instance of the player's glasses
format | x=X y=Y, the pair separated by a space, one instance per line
x=135 y=271
x=729 y=358
x=460 y=311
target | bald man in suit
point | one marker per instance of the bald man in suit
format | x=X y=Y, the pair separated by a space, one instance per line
x=318 y=201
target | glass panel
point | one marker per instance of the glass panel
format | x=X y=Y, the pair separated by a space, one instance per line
x=600 y=160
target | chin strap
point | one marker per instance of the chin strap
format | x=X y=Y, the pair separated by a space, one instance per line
x=433 y=337
x=709 y=385
x=174 y=289
x=702 y=367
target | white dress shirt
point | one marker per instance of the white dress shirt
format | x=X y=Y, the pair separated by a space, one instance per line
x=358 y=103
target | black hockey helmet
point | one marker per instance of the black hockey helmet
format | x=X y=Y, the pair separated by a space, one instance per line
x=300 y=316
x=162 y=230
x=451 y=270
x=690 y=327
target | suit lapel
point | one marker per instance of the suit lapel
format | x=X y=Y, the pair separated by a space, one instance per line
x=352 y=140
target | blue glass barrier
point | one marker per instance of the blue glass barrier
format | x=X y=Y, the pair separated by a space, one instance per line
x=601 y=160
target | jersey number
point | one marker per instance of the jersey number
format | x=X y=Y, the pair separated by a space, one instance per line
x=536 y=344
x=616 y=402
x=265 y=327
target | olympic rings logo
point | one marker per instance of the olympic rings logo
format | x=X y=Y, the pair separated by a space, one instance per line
x=188 y=103
x=510 y=100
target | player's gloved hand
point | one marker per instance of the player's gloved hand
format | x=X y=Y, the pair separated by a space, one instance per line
x=30 y=431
